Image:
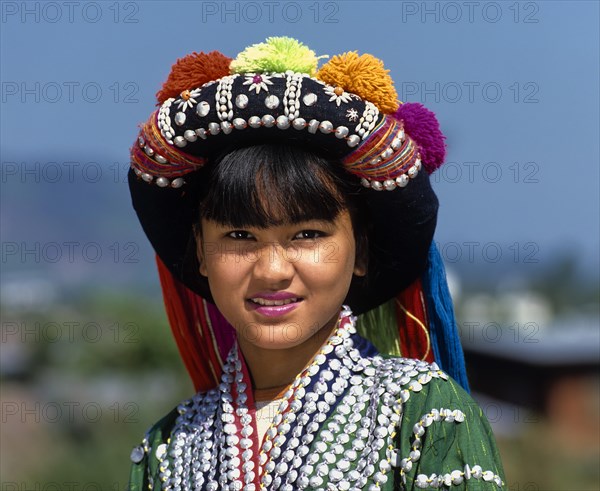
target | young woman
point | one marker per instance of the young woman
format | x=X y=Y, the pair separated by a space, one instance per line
x=281 y=199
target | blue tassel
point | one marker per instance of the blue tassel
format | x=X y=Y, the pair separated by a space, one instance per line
x=442 y=324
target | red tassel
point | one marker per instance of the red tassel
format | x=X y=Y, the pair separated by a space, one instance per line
x=413 y=326
x=192 y=330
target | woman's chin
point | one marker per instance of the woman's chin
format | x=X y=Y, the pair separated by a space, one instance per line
x=276 y=336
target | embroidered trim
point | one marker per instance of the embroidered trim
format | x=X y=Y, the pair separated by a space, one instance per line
x=362 y=400
x=452 y=478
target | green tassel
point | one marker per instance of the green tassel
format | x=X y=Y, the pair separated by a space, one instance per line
x=380 y=326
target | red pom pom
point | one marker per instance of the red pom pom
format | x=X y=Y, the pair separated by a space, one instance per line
x=192 y=71
x=423 y=127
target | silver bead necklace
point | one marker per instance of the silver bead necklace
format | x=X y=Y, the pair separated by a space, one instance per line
x=211 y=445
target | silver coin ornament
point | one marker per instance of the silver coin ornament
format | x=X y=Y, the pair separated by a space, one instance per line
x=316 y=436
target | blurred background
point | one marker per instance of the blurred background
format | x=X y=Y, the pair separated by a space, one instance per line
x=86 y=357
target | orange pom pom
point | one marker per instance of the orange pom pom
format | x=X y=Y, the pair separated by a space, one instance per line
x=364 y=76
x=192 y=71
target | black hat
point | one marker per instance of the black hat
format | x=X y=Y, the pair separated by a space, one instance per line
x=347 y=111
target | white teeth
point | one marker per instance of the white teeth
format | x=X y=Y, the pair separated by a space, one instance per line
x=262 y=301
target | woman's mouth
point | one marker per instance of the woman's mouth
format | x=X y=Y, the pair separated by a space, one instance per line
x=270 y=303
x=273 y=307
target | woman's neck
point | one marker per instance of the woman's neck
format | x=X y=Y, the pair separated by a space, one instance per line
x=275 y=368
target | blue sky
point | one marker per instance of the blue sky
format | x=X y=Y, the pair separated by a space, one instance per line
x=515 y=86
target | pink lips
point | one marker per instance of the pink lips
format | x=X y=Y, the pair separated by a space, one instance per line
x=274 y=310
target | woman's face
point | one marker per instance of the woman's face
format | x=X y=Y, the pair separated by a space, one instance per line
x=279 y=286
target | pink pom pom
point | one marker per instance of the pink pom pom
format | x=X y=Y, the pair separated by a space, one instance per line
x=423 y=127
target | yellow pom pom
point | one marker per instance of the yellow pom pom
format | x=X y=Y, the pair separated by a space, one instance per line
x=276 y=54
x=364 y=76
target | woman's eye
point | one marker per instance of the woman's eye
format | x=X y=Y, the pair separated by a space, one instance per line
x=309 y=234
x=240 y=235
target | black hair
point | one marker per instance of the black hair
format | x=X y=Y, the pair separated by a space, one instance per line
x=277 y=183
x=300 y=184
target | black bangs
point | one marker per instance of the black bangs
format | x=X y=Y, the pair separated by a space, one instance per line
x=273 y=184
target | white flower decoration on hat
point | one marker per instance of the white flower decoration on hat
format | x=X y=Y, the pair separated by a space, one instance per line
x=258 y=81
x=338 y=94
x=187 y=99
x=352 y=114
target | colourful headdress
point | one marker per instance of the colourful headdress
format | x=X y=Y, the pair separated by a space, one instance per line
x=347 y=110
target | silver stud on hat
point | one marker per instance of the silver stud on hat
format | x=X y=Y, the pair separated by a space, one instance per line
x=268 y=121
x=241 y=101
x=190 y=135
x=313 y=126
x=179 y=118
x=239 y=124
x=180 y=141
x=309 y=99
x=283 y=122
x=326 y=127
x=271 y=101
x=341 y=132
x=299 y=123
x=202 y=109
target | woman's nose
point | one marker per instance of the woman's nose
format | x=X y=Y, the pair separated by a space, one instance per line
x=273 y=265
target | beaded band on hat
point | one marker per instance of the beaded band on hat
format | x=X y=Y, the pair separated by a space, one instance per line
x=154 y=157
x=386 y=158
x=391 y=167
x=282 y=75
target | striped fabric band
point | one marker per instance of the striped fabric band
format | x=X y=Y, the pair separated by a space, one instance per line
x=387 y=154
x=153 y=155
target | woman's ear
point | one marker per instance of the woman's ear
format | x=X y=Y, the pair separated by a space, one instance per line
x=361 y=261
x=360 y=267
x=200 y=250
